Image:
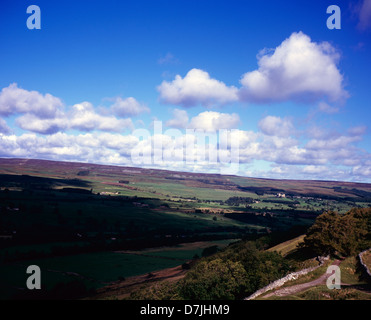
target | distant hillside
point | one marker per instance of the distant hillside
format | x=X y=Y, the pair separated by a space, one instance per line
x=186 y=182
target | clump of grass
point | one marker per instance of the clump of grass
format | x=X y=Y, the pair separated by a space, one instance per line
x=159 y=291
x=323 y=293
x=349 y=271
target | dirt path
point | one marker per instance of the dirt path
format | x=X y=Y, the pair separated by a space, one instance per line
x=303 y=286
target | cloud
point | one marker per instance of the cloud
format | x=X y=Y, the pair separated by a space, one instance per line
x=179 y=120
x=326 y=157
x=298 y=69
x=84 y=118
x=282 y=150
x=14 y=100
x=326 y=108
x=334 y=143
x=46 y=114
x=364 y=171
x=208 y=120
x=128 y=107
x=168 y=59
x=364 y=15
x=275 y=126
x=212 y=121
x=307 y=172
x=315 y=169
x=357 y=131
x=4 y=128
x=32 y=123
x=325 y=150
x=196 y=88
x=103 y=148
x=123 y=144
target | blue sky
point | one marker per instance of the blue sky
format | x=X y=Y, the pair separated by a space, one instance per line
x=295 y=93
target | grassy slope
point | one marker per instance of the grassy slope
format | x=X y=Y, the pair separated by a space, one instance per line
x=287 y=247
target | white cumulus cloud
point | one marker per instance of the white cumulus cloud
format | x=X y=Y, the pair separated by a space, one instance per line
x=179 y=119
x=128 y=107
x=84 y=118
x=212 y=121
x=298 y=69
x=276 y=126
x=33 y=123
x=197 y=88
x=14 y=100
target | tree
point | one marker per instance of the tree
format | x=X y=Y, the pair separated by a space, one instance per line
x=321 y=236
x=343 y=234
x=361 y=228
x=214 y=280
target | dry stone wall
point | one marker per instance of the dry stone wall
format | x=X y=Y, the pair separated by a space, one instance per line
x=364 y=266
x=291 y=276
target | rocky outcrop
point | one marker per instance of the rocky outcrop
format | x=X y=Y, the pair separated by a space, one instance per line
x=291 y=276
